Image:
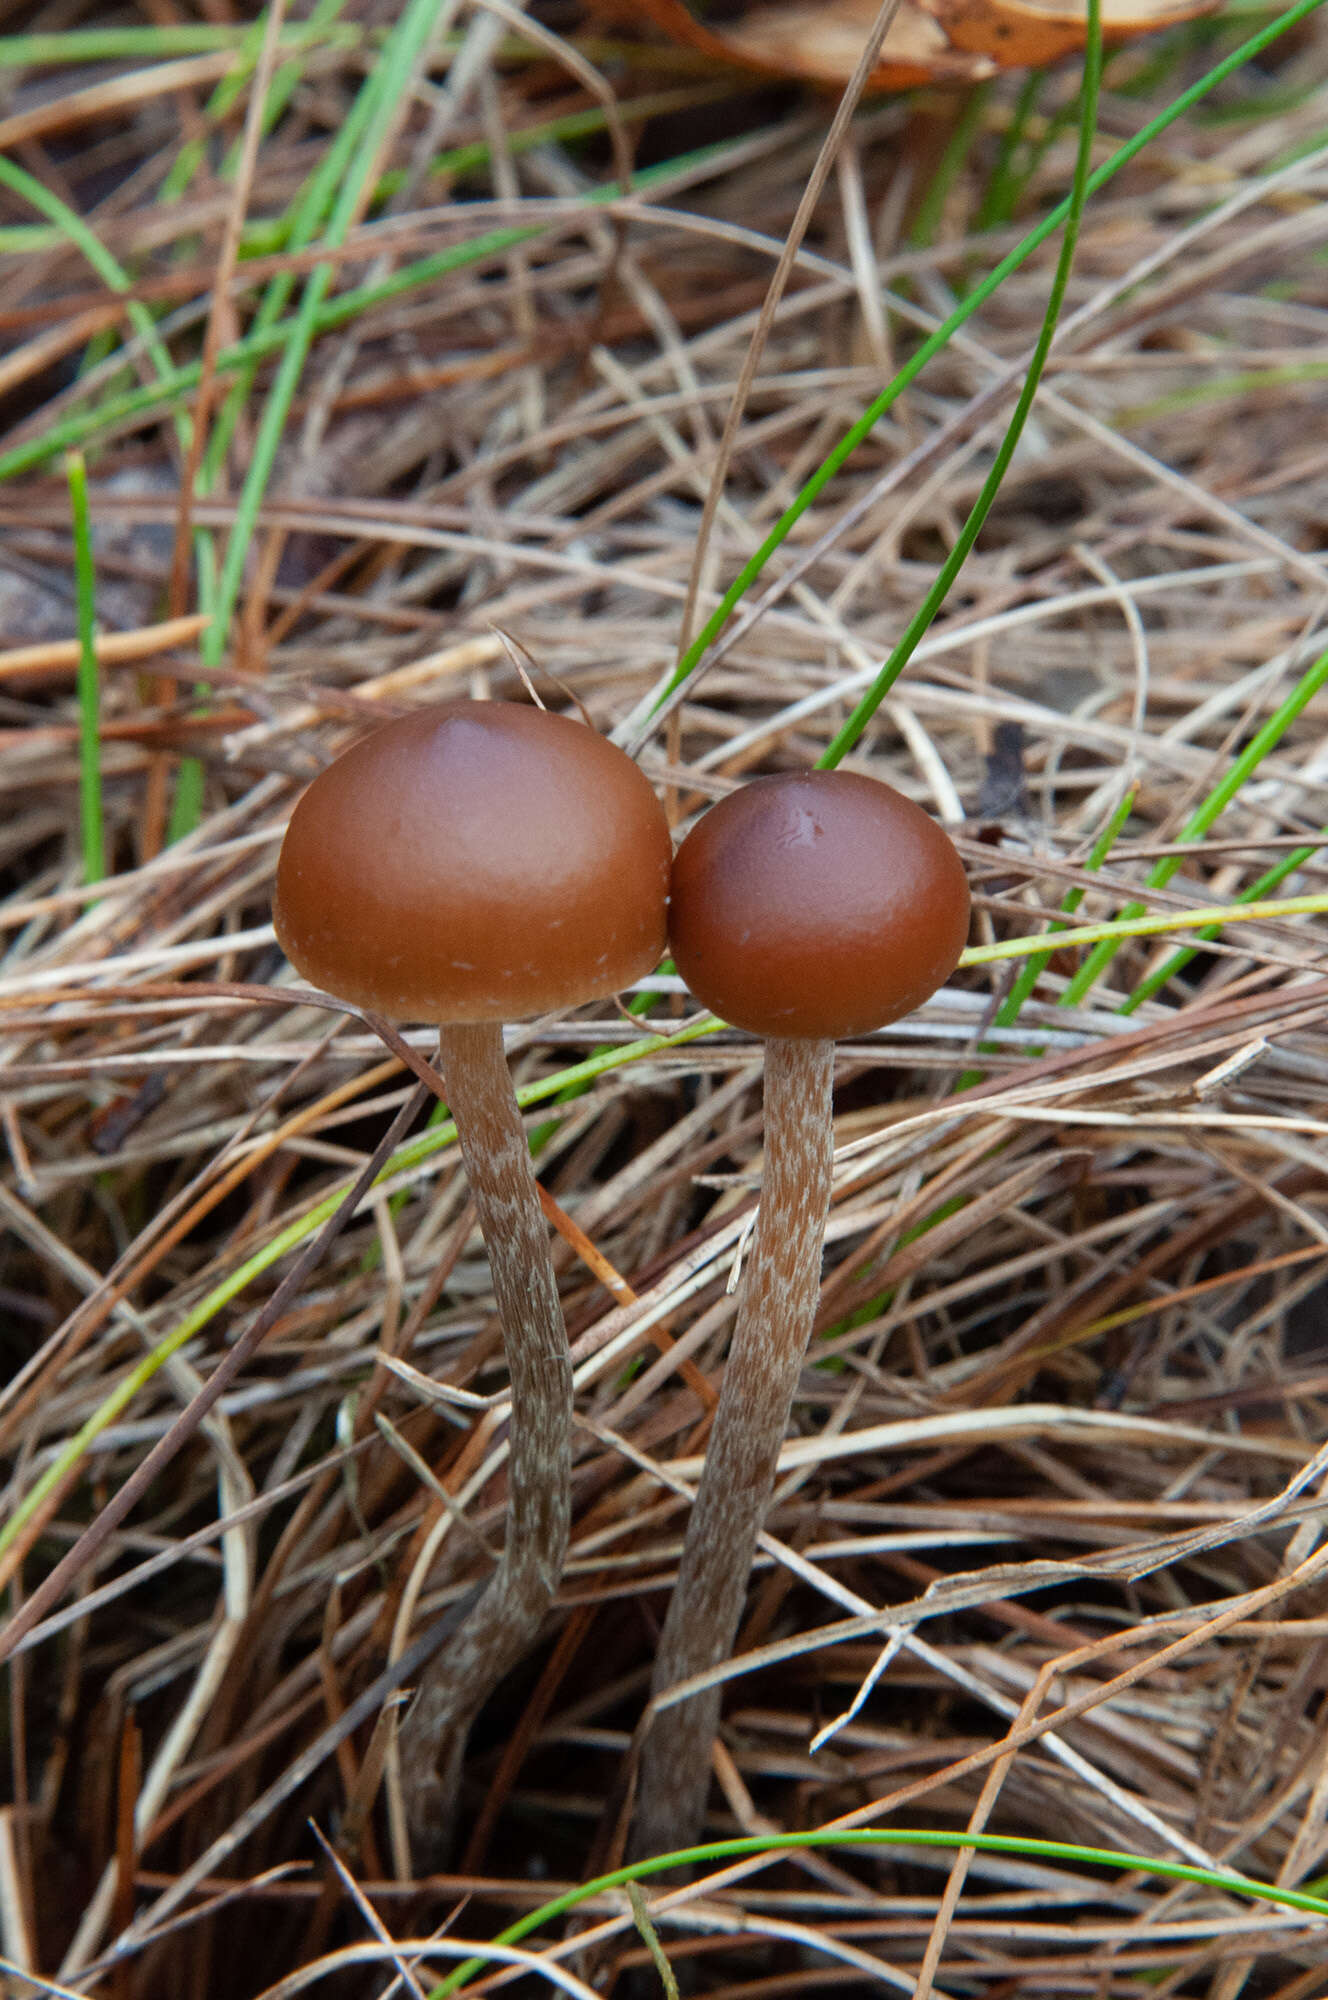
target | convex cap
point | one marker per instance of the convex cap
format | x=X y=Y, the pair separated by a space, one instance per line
x=816 y=903
x=476 y=861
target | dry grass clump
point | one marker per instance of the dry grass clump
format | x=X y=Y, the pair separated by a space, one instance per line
x=1046 y=1556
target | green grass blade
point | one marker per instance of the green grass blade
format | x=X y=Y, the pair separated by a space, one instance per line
x=24 y=239
x=873 y=1837
x=1007 y=180
x=186 y=799
x=91 y=817
x=1221 y=388
x=190 y=779
x=128 y=44
x=1152 y=924
x=958 y=146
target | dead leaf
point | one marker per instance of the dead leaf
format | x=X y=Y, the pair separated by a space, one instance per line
x=820 y=41
x=930 y=41
x=1032 y=32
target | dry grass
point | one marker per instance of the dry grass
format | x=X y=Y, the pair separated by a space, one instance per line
x=1059 y=1452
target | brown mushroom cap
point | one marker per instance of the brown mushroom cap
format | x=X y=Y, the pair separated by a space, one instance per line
x=818 y=903
x=477 y=861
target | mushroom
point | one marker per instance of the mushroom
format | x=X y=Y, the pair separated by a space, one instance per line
x=803 y=907
x=466 y=865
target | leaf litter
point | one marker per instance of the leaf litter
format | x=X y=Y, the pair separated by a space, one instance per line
x=1045 y=1557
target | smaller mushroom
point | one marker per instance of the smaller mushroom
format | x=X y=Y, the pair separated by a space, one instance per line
x=803 y=908
x=467 y=865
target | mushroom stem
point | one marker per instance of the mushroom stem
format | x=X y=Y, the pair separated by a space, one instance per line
x=504 y=1622
x=780 y=1291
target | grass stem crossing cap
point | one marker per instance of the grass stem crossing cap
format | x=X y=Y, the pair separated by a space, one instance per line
x=476 y=861
x=816 y=903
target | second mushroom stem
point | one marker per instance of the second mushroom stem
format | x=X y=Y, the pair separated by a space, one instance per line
x=504 y=1622
x=780 y=1290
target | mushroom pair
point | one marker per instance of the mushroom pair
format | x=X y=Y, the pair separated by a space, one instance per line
x=482 y=862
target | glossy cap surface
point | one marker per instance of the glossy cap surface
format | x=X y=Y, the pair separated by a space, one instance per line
x=476 y=861
x=818 y=903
